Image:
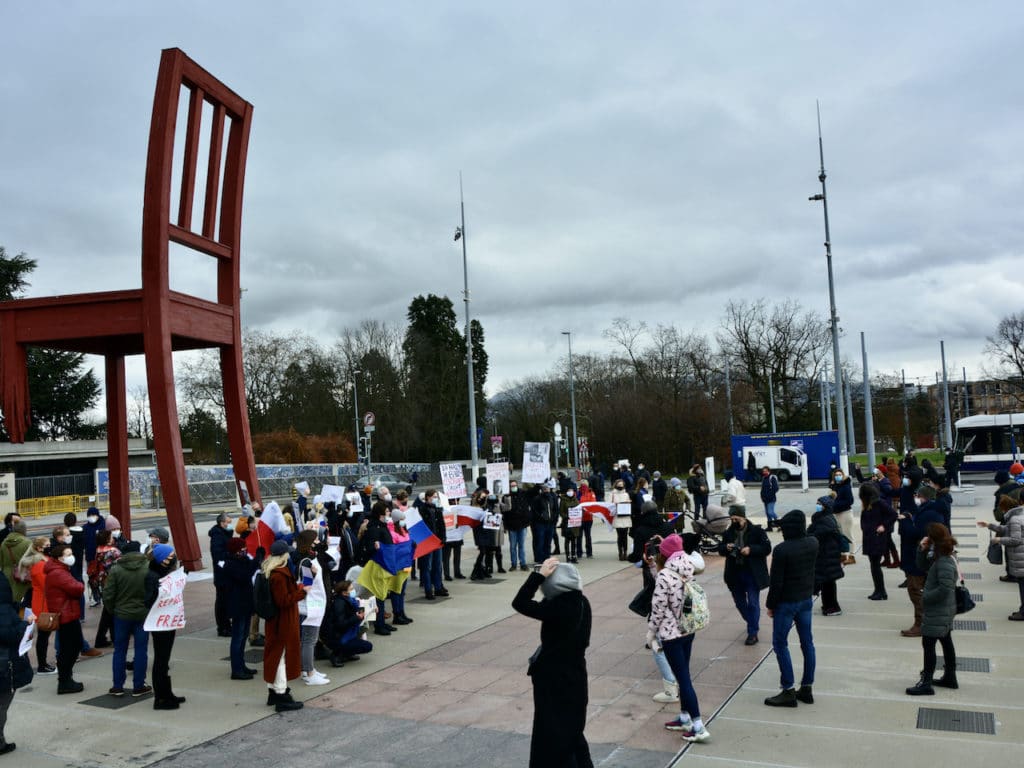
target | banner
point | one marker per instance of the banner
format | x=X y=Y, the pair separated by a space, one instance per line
x=316 y=600
x=498 y=478
x=453 y=481
x=168 y=612
x=536 y=462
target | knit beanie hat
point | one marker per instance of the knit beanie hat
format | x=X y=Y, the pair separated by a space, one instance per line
x=1016 y=468
x=112 y=523
x=161 y=552
x=670 y=545
x=925 y=492
x=565 y=578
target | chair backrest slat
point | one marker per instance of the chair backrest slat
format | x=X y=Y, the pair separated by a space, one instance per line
x=213 y=172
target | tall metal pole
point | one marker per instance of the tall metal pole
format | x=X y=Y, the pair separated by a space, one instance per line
x=355 y=406
x=906 y=413
x=473 y=452
x=828 y=400
x=572 y=405
x=821 y=400
x=948 y=436
x=850 y=436
x=771 y=400
x=869 y=422
x=844 y=460
x=728 y=397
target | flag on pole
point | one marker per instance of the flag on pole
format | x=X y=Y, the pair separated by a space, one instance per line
x=425 y=539
x=269 y=526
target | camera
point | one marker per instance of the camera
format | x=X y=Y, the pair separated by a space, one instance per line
x=651 y=549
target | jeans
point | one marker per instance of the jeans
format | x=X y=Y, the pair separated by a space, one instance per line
x=430 y=571
x=239 y=631
x=398 y=600
x=661 y=662
x=307 y=643
x=700 y=505
x=356 y=647
x=786 y=614
x=517 y=545
x=769 y=510
x=678 y=654
x=747 y=597
x=542 y=533
x=125 y=630
x=452 y=551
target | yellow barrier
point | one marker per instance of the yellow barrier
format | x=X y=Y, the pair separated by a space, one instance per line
x=59 y=505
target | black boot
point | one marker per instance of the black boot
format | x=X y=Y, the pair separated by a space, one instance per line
x=948 y=679
x=786 y=698
x=285 y=703
x=923 y=687
x=805 y=694
x=501 y=567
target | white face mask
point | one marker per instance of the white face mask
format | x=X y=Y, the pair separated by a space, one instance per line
x=387 y=497
x=68 y=561
x=918 y=500
x=92 y=518
x=66 y=540
x=115 y=534
x=906 y=482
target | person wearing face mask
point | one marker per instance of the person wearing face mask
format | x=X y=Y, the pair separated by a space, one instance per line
x=746 y=548
x=570 y=533
x=63 y=597
x=220 y=533
x=913 y=526
x=162 y=562
x=828 y=567
x=72 y=534
x=697 y=485
x=585 y=495
x=558 y=669
x=99 y=570
x=543 y=514
x=485 y=538
x=877 y=519
x=430 y=566
x=621 y=522
x=113 y=525
x=842 y=487
x=399 y=535
x=156 y=536
x=516 y=519
x=36 y=559
x=13 y=548
x=124 y=596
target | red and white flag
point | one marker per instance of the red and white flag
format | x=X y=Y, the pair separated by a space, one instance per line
x=603 y=510
x=268 y=526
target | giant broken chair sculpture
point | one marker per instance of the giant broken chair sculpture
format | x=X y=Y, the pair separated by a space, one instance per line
x=155 y=321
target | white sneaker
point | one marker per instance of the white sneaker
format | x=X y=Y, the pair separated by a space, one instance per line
x=319 y=674
x=697 y=736
x=313 y=680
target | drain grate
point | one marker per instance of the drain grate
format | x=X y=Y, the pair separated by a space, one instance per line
x=969 y=664
x=977 y=597
x=967 y=536
x=970 y=625
x=972 y=576
x=966 y=546
x=115 y=702
x=957 y=720
x=969 y=559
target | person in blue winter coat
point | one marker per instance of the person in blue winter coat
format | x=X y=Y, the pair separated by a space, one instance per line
x=913 y=526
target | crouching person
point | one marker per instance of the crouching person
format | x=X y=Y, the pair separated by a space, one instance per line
x=344 y=626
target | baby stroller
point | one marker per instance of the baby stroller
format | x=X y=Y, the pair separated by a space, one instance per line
x=711 y=529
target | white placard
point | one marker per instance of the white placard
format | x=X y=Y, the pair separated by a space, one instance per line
x=575 y=516
x=168 y=612
x=316 y=601
x=623 y=509
x=335 y=493
x=355 y=502
x=492 y=521
x=536 y=462
x=453 y=481
x=498 y=478
x=28 y=639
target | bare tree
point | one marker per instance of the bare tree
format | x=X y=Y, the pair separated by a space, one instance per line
x=1006 y=349
x=139 y=424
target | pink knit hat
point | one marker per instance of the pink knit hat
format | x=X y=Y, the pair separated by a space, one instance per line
x=112 y=523
x=670 y=545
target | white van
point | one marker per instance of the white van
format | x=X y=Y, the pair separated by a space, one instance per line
x=784 y=461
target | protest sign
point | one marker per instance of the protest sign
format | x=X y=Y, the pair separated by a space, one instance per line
x=355 y=502
x=498 y=478
x=623 y=509
x=536 y=462
x=492 y=521
x=168 y=612
x=316 y=601
x=576 y=516
x=453 y=481
x=335 y=493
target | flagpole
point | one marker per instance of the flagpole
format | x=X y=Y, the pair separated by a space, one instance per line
x=474 y=455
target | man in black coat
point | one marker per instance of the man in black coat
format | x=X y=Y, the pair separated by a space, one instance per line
x=543 y=514
x=220 y=534
x=516 y=521
x=746 y=549
x=790 y=600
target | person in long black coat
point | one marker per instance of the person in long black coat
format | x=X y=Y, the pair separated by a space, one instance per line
x=877 y=520
x=746 y=548
x=238 y=571
x=11 y=630
x=558 y=669
x=828 y=567
x=646 y=526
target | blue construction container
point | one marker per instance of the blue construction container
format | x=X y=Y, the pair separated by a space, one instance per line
x=821 y=448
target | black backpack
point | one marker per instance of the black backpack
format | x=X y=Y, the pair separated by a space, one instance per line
x=262 y=598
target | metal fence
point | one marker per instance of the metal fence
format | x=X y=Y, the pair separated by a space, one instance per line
x=54 y=485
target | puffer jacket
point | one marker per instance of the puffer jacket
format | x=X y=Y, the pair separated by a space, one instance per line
x=913 y=528
x=617 y=497
x=825 y=528
x=1011 y=533
x=63 y=591
x=792 y=572
x=667 y=602
x=124 y=594
x=939 y=598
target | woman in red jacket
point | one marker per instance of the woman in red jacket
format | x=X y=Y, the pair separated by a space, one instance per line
x=281 y=654
x=62 y=597
x=38 y=576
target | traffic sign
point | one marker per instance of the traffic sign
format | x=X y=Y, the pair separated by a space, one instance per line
x=558 y=429
x=369 y=419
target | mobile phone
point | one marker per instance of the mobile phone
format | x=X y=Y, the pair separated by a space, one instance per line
x=536 y=569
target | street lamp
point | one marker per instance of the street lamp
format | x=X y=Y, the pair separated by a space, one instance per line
x=460 y=234
x=572 y=405
x=844 y=460
x=355 y=414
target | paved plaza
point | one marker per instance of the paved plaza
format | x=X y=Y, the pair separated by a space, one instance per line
x=451 y=690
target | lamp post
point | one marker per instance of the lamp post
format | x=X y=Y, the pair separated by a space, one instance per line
x=460 y=234
x=355 y=410
x=572 y=405
x=771 y=400
x=844 y=460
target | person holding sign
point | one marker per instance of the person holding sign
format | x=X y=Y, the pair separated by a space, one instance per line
x=161 y=593
x=623 y=515
x=312 y=609
x=571 y=523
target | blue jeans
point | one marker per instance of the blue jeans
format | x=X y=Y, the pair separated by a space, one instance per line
x=430 y=571
x=517 y=545
x=786 y=614
x=769 y=510
x=239 y=633
x=747 y=597
x=398 y=600
x=678 y=654
x=664 y=667
x=125 y=630
x=542 y=533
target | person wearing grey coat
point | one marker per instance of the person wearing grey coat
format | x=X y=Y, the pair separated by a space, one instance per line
x=1011 y=535
x=935 y=557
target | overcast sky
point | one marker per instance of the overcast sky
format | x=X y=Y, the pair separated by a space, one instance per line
x=647 y=160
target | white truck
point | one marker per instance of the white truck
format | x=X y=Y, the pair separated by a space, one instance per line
x=784 y=461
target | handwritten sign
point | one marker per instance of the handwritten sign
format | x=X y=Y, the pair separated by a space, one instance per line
x=453 y=481
x=492 y=521
x=498 y=478
x=168 y=612
x=536 y=462
x=335 y=493
x=575 y=516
